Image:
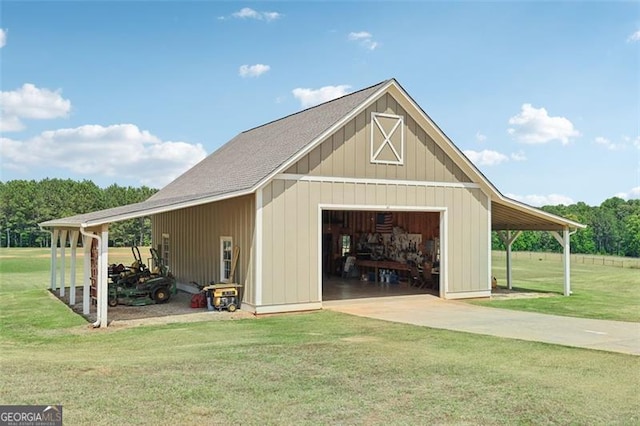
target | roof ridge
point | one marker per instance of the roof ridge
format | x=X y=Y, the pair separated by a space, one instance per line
x=316 y=106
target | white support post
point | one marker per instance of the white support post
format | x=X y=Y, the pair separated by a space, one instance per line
x=564 y=241
x=72 y=284
x=103 y=288
x=54 y=255
x=63 y=255
x=508 y=240
x=86 y=284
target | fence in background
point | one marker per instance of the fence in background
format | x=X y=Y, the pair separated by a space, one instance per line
x=584 y=259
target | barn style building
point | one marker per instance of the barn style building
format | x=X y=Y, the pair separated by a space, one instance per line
x=368 y=176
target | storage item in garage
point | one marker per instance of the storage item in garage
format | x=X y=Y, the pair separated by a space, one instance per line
x=223 y=296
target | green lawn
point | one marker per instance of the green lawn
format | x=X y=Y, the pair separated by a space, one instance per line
x=314 y=368
x=600 y=292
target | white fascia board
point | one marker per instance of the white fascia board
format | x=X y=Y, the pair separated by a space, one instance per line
x=318 y=140
x=381 y=208
x=338 y=179
x=468 y=295
x=147 y=211
x=541 y=213
x=450 y=148
x=475 y=172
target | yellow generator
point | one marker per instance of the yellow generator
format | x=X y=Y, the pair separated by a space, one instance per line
x=222 y=296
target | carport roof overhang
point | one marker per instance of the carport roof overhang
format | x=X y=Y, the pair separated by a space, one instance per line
x=132 y=211
x=511 y=215
x=506 y=214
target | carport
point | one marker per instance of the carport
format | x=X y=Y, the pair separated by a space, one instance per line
x=510 y=219
x=92 y=229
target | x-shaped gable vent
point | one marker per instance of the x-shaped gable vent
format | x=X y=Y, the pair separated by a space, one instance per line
x=387 y=139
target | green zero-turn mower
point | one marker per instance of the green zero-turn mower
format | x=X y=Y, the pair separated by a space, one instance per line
x=137 y=285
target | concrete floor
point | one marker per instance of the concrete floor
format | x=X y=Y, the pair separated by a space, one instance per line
x=431 y=311
x=336 y=288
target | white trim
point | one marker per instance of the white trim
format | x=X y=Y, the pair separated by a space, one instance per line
x=540 y=213
x=319 y=260
x=380 y=208
x=147 y=211
x=86 y=261
x=339 y=179
x=387 y=138
x=507 y=239
x=444 y=280
x=489 y=243
x=166 y=255
x=224 y=239
x=63 y=258
x=258 y=248
x=72 y=285
x=103 y=287
x=564 y=241
x=468 y=294
x=443 y=276
x=293 y=307
x=54 y=256
x=321 y=138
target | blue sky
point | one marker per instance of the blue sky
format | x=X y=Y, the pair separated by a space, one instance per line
x=544 y=97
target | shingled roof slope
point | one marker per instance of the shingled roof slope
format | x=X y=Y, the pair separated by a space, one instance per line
x=254 y=154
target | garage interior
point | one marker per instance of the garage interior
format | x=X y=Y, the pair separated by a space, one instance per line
x=379 y=253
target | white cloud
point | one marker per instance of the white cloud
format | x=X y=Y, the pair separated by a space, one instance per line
x=485 y=157
x=518 y=156
x=633 y=194
x=364 y=38
x=542 y=200
x=634 y=37
x=311 y=97
x=121 y=150
x=248 y=13
x=3 y=37
x=480 y=137
x=634 y=142
x=253 y=70
x=535 y=126
x=32 y=103
x=608 y=144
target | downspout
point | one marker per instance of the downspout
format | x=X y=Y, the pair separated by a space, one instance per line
x=97 y=237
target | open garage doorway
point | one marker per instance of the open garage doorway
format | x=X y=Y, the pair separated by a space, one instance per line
x=380 y=253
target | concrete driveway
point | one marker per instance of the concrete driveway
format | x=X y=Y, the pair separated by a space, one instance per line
x=430 y=311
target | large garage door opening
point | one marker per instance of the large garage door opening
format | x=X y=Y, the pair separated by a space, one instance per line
x=379 y=253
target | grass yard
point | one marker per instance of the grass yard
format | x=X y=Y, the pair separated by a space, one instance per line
x=600 y=292
x=314 y=368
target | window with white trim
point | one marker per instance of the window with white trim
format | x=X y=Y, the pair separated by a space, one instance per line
x=226 y=256
x=387 y=138
x=165 y=249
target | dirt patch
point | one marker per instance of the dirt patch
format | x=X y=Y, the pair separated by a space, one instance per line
x=506 y=294
x=177 y=309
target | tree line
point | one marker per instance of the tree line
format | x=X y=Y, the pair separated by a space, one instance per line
x=613 y=227
x=25 y=203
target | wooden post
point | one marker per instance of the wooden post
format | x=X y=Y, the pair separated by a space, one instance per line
x=86 y=284
x=72 y=285
x=507 y=240
x=54 y=255
x=63 y=255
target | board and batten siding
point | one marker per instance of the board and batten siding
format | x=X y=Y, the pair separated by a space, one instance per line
x=194 y=239
x=347 y=153
x=291 y=232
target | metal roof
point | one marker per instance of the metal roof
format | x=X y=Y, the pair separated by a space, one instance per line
x=254 y=156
